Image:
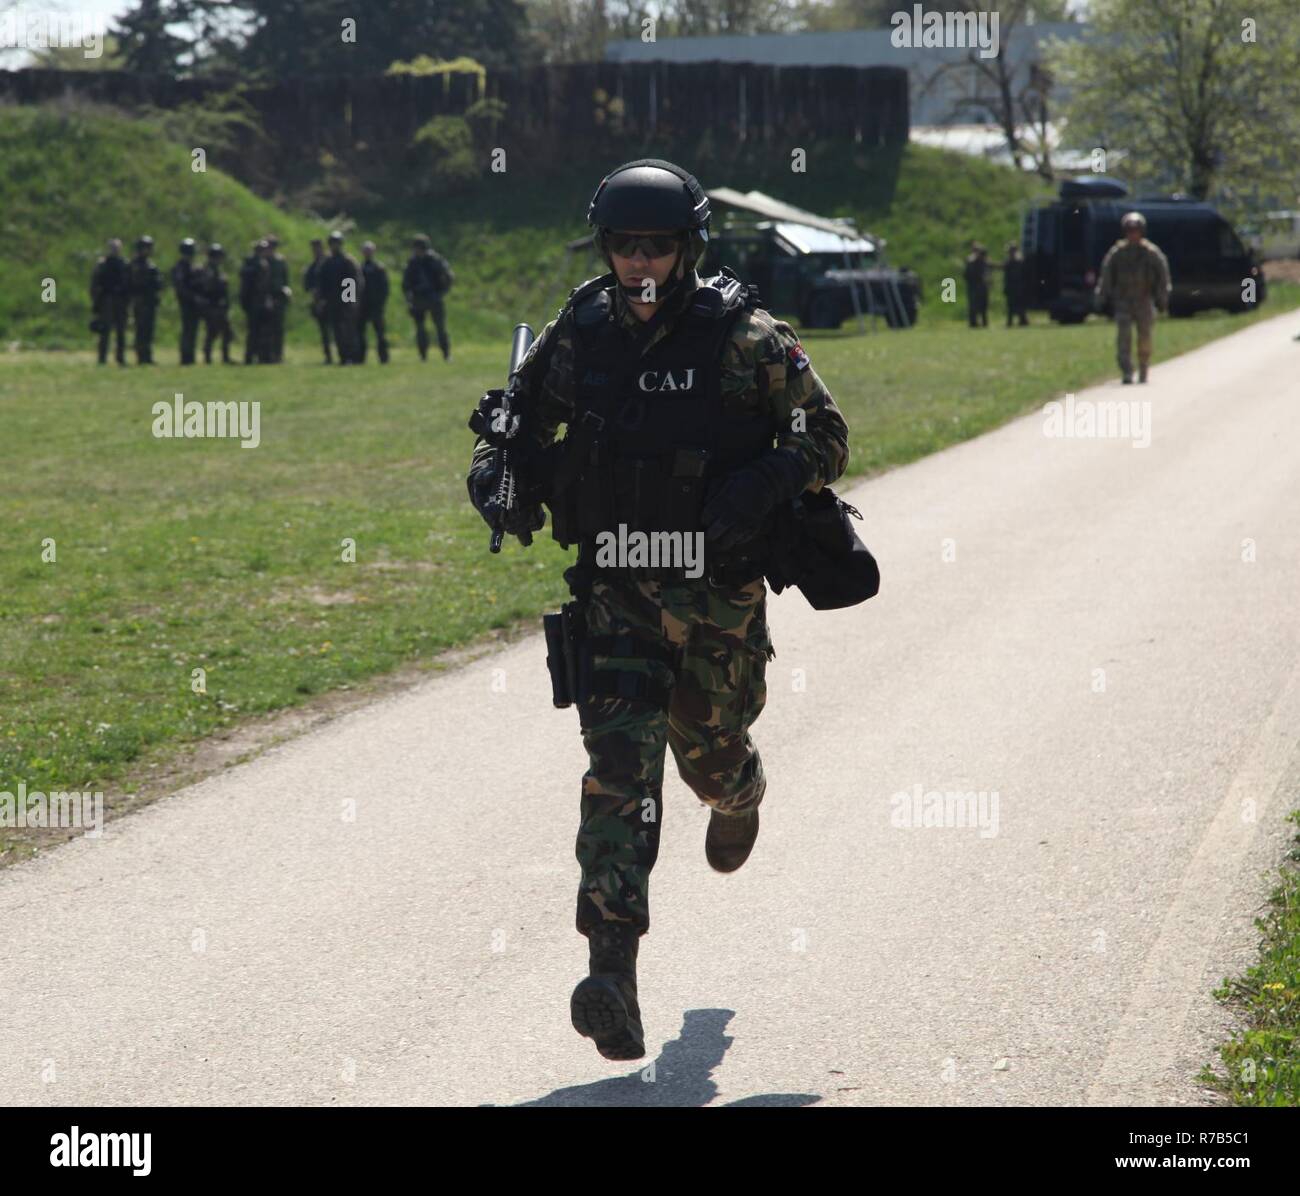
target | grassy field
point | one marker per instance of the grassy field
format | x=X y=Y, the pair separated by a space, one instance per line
x=177 y=554
x=72 y=180
x=76 y=176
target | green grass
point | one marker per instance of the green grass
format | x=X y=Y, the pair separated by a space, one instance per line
x=506 y=240
x=73 y=179
x=75 y=176
x=1261 y=1064
x=173 y=555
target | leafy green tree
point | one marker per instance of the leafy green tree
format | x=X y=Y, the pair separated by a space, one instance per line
x=1203 y=95
x=1011 y=91
x=145 y=38
x=341 y=37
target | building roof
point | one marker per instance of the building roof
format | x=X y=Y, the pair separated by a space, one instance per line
x=933 y=94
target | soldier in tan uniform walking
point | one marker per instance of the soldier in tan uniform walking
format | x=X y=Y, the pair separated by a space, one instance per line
x=1134 y=278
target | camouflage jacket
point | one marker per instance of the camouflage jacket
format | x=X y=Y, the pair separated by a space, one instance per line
x=1133 y=274
x=762 y=362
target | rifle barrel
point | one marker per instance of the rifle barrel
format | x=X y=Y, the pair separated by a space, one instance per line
x=520 y=343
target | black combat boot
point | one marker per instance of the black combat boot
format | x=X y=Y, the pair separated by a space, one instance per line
x=1142 y=373
x=604 y=1005
x=730 y=839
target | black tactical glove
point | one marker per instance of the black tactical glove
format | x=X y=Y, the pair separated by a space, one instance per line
x=737 y=506
x=489 y=418
x=482 y=484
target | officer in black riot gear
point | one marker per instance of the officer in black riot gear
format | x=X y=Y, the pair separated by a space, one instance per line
x=185 y=279
x=110 y=298
x=146 y=291
x=679 y=396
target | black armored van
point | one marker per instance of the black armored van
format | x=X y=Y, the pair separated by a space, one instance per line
x=818 y=277
x=1065 y=240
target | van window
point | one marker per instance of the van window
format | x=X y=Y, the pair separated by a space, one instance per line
x=1229 y=243
x=1203 y=238
x=1167 y=235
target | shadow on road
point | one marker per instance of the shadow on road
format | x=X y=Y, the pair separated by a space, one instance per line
x=680 y=1077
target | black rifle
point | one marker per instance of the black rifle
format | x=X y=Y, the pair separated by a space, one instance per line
x=497 y=420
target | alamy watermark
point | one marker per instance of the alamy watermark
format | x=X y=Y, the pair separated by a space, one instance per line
x=954 y=808
x=650 y=550
x=45 y=29
x=92 y=1148
x=192 y=419
x=60 y=808
x=960 y=30
x=1087 y=419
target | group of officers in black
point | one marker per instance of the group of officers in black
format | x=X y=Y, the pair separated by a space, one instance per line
x=978 y=271
x=346 y=298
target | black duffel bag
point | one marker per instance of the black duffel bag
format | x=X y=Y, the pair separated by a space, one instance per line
x=817 y=550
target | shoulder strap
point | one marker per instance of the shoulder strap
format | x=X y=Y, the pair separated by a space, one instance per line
x=584 y=295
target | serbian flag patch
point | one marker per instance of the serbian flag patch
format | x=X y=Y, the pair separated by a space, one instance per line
x=798 y=358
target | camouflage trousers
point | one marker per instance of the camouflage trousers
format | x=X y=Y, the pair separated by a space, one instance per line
x=1143 y=316
x=670 y=664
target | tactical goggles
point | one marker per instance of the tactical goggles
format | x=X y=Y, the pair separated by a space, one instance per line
x=650 y=245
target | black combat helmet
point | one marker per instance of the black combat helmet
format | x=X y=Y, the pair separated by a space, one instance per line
x=651 y=193
x=215 y=250
x=187 y=246
x=145 y=242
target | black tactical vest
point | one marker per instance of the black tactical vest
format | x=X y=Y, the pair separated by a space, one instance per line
x=651 y=432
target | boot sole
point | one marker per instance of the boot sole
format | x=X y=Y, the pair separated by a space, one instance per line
x=599 y=1013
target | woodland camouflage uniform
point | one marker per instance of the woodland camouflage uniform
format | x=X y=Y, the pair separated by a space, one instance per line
x=714 y=642
x=697 y=424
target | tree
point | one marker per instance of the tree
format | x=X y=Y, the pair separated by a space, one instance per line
x=1202 y=94
x=574 y=30
x=838 y=16
x=342 y=37
x=145 y=42
x=1011 y=92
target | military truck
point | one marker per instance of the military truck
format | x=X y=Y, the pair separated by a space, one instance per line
x=1065 y=240
x=819 y=270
